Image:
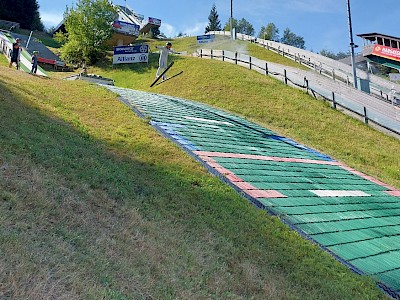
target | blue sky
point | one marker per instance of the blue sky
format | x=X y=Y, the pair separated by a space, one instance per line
x=322 y=23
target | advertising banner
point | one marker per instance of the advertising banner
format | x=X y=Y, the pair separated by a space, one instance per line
x=155 y=21
x=387 y=52
x=126 y=28
x=131 y=54
x=204 y=39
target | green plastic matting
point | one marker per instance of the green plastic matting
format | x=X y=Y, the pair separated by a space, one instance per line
x=353 y=216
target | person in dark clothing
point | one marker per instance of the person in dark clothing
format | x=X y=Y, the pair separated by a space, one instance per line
x=15 y=53
x=34 y=62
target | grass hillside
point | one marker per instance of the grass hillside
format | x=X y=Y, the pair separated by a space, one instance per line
x=94 y=204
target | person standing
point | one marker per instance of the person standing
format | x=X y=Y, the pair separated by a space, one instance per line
x=15 y=53
x=34 y=62
x=163 y=61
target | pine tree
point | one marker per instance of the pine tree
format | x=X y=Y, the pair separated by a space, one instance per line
x=214 y=22
x=25 y=12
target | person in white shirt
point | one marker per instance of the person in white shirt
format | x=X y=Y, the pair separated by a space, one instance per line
x=163 y=62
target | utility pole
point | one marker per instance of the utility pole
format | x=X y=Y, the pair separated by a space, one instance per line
x=352 y=46
x=231 y=21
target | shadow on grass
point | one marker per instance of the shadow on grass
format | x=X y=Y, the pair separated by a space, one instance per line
x=156 y=188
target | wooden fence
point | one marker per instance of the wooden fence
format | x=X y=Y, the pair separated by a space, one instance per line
x=328 y=67
x=349 y=100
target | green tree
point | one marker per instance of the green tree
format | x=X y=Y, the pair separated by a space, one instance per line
x=289 y=38
x=269 y=32
x=88 y=26
x=242 y=26
x=333 y=55
x=227 y=26
x=214 y=24
x=25 y=12
x=155 y=32
x=245 y=27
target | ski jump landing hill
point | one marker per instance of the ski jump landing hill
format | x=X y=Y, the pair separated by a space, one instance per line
x=6 y=42
x=352 y=216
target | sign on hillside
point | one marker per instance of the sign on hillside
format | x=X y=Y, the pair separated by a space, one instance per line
x=204 y=39
x=126 y=28
x=131 y=54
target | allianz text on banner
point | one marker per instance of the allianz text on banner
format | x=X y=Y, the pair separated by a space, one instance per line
x=131 y=54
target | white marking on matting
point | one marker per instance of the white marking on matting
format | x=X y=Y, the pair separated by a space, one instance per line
x=337 y=193
x=208 y=121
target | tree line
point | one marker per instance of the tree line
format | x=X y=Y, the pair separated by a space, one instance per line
x=269 y=32
x=87 y=23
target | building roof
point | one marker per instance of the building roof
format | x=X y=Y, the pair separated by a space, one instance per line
x=373 y=35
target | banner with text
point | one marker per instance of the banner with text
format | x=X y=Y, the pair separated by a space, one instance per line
x=126 y=28
x=131 y=54
x=155 y=21
x=386 y=52
x=204 y=39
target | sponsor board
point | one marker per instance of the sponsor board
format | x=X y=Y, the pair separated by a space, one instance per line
x=386 y=52
x=155 y=21
x=204 y=39
x=131 y=54
x=126 y=28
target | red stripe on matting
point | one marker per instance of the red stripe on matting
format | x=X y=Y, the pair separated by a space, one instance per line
x=395 y=193
x=236 y=180
x=263 y=157
x=207 y=156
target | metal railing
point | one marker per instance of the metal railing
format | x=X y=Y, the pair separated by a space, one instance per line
x=379 y=87
x=351 y=101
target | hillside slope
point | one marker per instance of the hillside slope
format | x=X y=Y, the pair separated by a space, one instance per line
x=96 y=205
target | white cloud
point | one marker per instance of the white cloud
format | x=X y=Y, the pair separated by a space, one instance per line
x=196 y=29
x=168 y=29
x=51 y=18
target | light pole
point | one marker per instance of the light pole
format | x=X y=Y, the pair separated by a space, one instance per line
x=352 y=46
x=231 y=20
